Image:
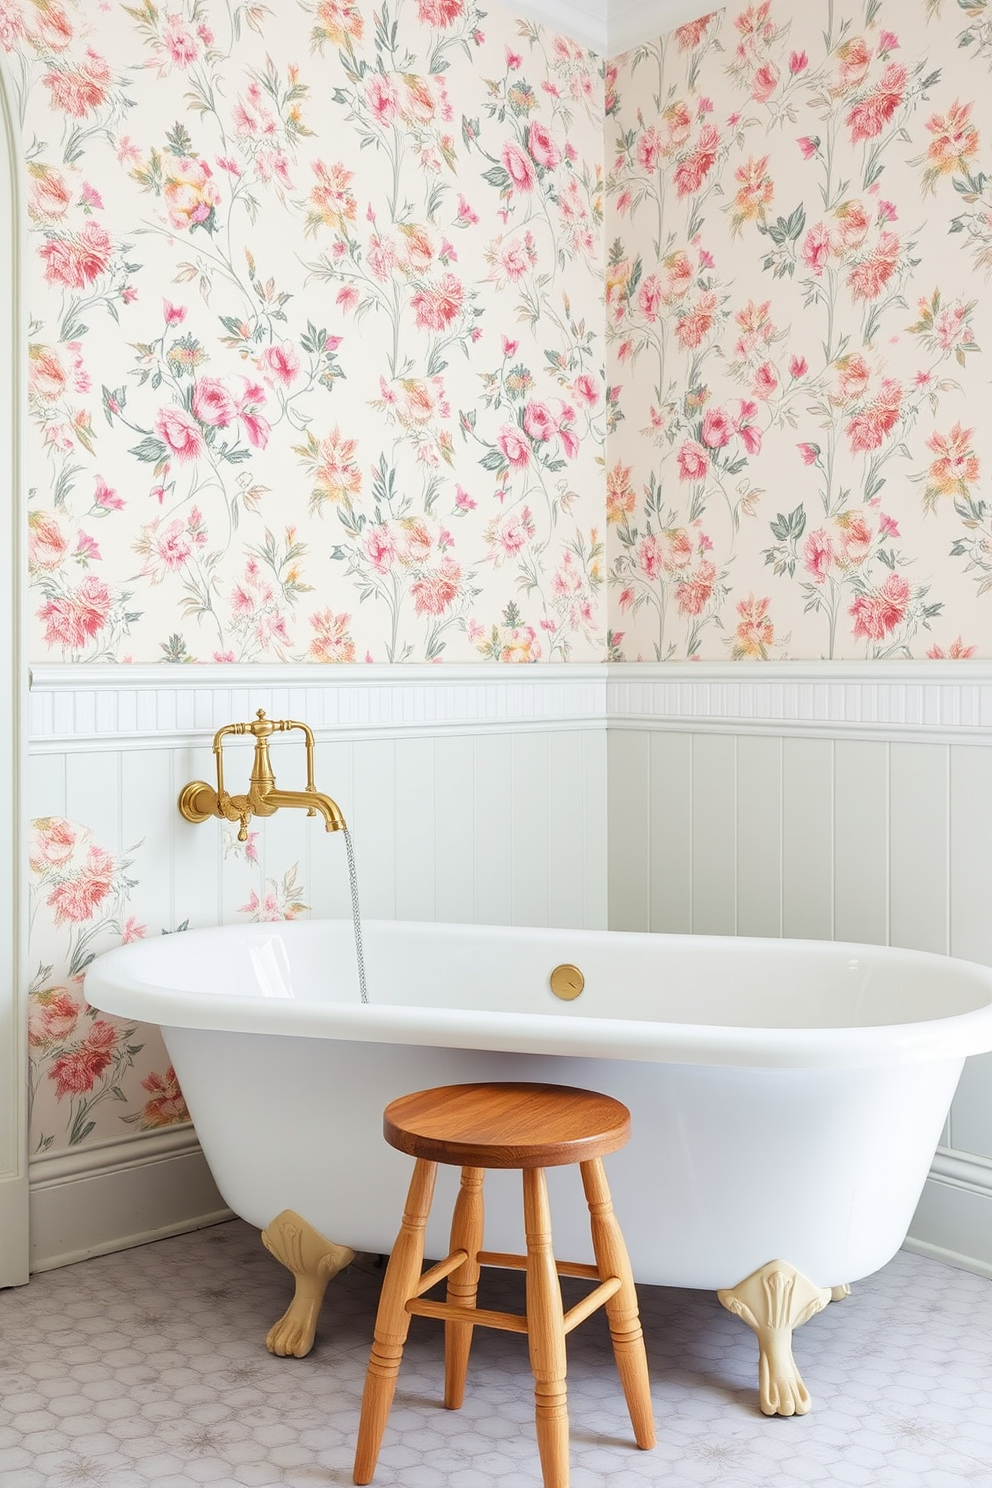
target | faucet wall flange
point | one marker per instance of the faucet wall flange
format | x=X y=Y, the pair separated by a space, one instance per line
x=197 y=801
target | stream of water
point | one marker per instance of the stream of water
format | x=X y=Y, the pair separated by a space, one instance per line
x=356 y=916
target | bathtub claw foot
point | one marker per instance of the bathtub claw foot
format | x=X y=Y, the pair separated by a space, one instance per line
x=838 y=1293
x=313 y=1261
x=773 y=1301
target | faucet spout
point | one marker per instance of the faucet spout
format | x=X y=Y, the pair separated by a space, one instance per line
x=311 y=801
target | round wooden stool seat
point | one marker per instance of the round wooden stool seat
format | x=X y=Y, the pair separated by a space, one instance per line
x=506 y=1125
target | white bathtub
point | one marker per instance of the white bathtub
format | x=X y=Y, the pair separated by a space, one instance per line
x=787 y=1096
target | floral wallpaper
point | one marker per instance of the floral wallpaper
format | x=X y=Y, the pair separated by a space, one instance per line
x=316 y=364
x=797 y=265
x=93 y=1075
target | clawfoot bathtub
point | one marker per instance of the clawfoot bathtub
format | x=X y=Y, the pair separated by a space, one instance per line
x=787 y=1096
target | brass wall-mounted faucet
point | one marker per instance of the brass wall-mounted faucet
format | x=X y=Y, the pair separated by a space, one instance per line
x=198 y=800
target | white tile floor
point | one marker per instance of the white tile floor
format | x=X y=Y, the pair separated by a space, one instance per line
x=149 y=1367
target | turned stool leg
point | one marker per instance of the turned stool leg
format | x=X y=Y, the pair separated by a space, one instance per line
x=463 y=1284
x=545 y=1333
x=392 y=1321
x=621 y=1309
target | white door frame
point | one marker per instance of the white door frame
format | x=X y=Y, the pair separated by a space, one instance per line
x=13 y=712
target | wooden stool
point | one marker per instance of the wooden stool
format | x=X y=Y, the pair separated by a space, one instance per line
x=531 y=1127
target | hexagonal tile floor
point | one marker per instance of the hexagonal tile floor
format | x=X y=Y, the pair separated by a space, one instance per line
x=149 y=1368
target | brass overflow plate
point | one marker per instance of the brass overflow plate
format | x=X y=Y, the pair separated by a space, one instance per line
x=567 y=982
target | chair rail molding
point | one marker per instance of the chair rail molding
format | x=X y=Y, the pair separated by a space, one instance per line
x=86 y=706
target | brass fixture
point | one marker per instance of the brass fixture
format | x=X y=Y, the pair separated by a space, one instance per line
x=198 y=800
x=567 y=982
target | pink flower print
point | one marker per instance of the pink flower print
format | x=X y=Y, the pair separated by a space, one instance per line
x=798 y=62
x=693 y=461
x=691 y=34
x=798 y=366
x=50 y=196
x=77 y=898
x=382 y=97
x=466 y=216
x=868 y=278
x=180 y=42
x=542 y=147
x=515 y=259
x=888 y=41
x=72 y=620
x=167 y=1105
x=379 y=547
x=280 y=363
x=255 y=426
x=818 y=554
x=649 y=297
x=855 y=59
x=586 y=389
x=213 y=403
x=514 y=447
x=853 y=222
x=437 y=589
x=717 y=428
x=869 y=115
x=887 y=211
x=947 y=326
x=78 y=259
x=436 y=308
x=808 y=145
x=46 y=375
x=520 y=645
x=651 y=556
x=755 y=632
x=463 y=501
x=816 y=248
x=694 y=591
x=852 y=379
x=78 y=1070
x=190 y=194
x=539 y=422
x=47 y=546
x=515 y=532
x=53 y=843
x=955 y=140
x=957 y=651
x=764 y=82
x=86 y=548
x=887 y=526
x=518 y=167
x=810 y=453
x=174 y=314
x=744 y=425
x=52 y=1018
x=90 y=197
x=381 y=257
x=692 y=327
x=677 y=120
x=132 y=930
x=439 y=13
x=172 y=545
x=878 y=612
x=513 y=60
x=180 y=432
x=78 y=90
x=105 y=498
x=856 y=538
x=648 y=149
x=692 y=170
x=765 y=381
x=869 y=429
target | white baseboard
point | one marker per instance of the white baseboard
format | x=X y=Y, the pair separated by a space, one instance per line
x=110 y=1196
x=953 y=1221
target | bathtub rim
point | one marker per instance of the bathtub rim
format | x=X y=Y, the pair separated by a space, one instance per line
x=112 y=987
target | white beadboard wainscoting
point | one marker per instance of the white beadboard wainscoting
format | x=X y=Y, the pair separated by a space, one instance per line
x=829 y=800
